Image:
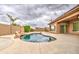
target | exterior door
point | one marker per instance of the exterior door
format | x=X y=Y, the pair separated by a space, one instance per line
x=63 y=28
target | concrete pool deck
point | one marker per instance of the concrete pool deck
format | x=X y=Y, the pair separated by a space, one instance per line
x=65 y=43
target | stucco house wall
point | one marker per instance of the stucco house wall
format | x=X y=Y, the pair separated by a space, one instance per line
x=68 y=18
x=70 y=29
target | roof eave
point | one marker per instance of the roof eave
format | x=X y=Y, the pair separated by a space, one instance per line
x=60 y=17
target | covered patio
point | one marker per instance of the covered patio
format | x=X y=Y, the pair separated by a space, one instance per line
x=68 y=22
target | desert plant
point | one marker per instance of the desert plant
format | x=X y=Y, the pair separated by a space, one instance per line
x=27 y=28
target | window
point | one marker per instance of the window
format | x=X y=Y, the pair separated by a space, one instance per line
x=52 y=28
x=76 y=26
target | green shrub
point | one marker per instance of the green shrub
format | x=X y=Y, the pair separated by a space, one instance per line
x=27 y=28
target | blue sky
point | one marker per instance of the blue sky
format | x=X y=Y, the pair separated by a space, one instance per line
x=36 y=15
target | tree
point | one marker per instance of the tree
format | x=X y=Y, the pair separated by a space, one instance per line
x=12 y=22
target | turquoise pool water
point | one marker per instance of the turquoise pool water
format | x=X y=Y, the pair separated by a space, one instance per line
x=37 y=37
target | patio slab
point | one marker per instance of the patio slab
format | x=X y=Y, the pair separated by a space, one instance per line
x=65 y=44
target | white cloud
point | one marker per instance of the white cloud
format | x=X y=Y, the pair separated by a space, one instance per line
x=19 y=22
x=35 y=15
x=7 y=9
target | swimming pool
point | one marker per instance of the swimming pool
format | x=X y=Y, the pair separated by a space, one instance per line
x=37 y=37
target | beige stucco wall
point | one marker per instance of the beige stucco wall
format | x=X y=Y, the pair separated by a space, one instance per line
x=5 y=29
x=56 y=27
x=70 y=24
x=70 y=28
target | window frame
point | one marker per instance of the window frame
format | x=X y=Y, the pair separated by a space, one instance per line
x=53 y=28
x=74 y=24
